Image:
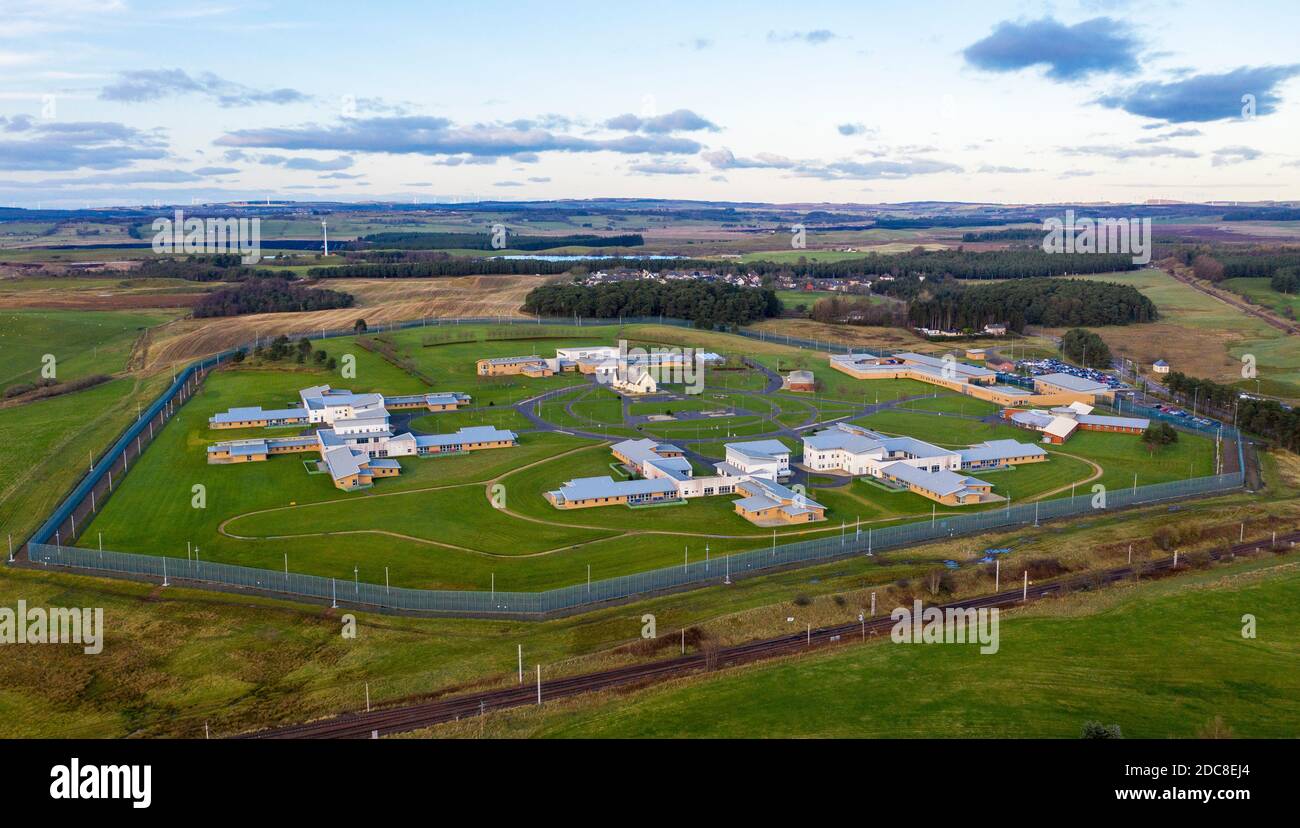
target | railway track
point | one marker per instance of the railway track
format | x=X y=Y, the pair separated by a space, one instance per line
x=424 y=714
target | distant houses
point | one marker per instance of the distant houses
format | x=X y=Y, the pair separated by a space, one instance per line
x=1160 y=367
x=357 y=443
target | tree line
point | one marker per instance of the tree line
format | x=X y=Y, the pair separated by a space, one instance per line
x=1267 y=418
x=269 y=295
x=1054 y=303
x=707 y=304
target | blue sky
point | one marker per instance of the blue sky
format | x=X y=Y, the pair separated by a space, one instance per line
x=125 y=101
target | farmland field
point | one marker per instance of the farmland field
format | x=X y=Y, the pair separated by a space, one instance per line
x=1098 y=670
x=1203 y=336
x=82 y=342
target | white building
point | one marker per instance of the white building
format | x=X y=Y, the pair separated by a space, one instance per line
x=858 y=451
x=768 y=459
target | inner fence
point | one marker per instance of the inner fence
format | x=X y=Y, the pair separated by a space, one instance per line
x=852 y=541
x=49 y=545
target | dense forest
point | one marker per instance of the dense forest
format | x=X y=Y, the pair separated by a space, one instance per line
x=222 y=267
x=483 y=241
x=269 y=295
x=1266 y=418
x=1085 y=348
x=708 y=304
x=1221 y=263
x=1286 y=280
x=960 y=264
x=1053 y=303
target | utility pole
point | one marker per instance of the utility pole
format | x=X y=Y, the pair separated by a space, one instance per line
x=1025 y=595
x=539 y=684
x=521 y=663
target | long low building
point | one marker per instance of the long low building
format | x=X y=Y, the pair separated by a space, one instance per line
x=972 y=380
x=359 y=443
x=667 y=476
x=1058 y=424
x=946 y=487
x=924 y=468
x=322 y=404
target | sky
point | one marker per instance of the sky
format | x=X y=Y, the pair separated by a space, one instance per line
x=122 y=102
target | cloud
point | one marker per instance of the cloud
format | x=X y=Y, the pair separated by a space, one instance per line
x=1123 y=153
x=540 y=179
x=108 y=180
x=1165 y=136
x=341 y=162
x=662 y=168
x=816 y=37
x=724 y=159
x=1002 y=170
x=435 y=136
x=699 y=44
x=874 y=170
x=853 y=129
x=141 y=85
x=215 y=170
x=1070 y=52
x=343 y=176
x=508 y=184
x=1077 y=174
x=1201 y=98
x=680 y=120
x=70 y=145
x=1227 y=156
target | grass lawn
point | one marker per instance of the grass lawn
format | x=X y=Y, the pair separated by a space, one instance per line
x=49 y=444
x=1104 y=656
x=442 y=422
x=82 y=342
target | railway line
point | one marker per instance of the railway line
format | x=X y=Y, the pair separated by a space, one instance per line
x=424 y=714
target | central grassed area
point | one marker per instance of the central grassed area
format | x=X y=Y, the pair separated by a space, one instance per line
x=436 y=525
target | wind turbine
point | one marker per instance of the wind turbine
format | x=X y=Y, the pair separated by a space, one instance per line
x=325 y=231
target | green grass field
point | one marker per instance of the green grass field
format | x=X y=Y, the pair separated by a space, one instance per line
x=435 y=527
x=1107 y=657
x=49 y=445
x=81 y=342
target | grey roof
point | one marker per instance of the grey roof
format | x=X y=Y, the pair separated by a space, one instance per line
x=256 y=412
x=384 y=463
x=940 y=482
x=587 y=488
x=1072 y=383
x=470 y=434
x=761 y=449
x=756 y=503
x=756 y=486
x=999 y=450
x=343 y=462
x=513 y=359
x=1114 y=422
x=937 y=362
x=839 y=438
x=1033 y=419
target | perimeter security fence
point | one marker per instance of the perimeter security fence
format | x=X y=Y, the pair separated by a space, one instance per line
x=50 y=545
